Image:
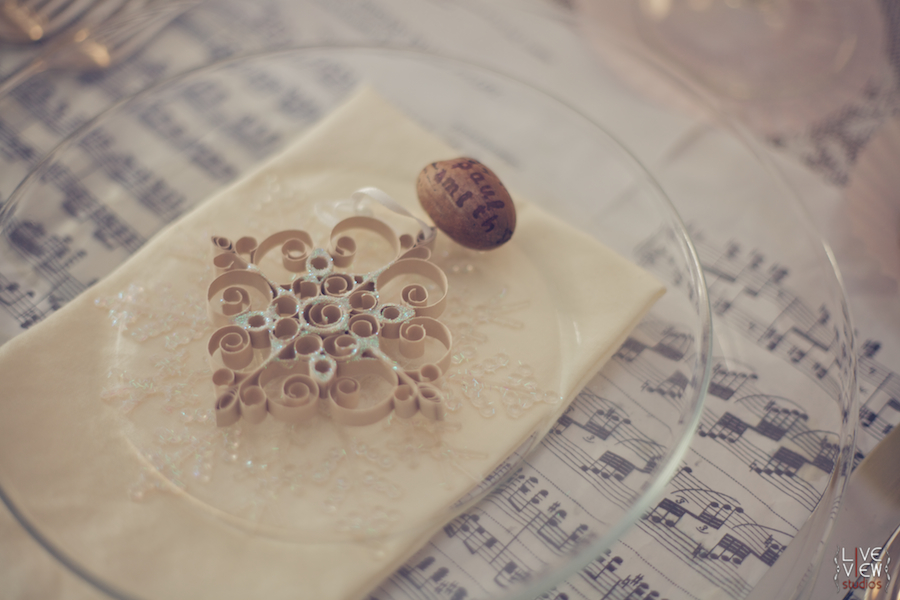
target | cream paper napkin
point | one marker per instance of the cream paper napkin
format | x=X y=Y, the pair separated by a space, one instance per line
x=107 y=441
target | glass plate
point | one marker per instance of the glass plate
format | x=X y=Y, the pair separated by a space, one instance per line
x=782 y=328
x=783 y=346
x=125 y=175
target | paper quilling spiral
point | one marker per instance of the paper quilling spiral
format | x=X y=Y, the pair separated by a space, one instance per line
x=327 y=329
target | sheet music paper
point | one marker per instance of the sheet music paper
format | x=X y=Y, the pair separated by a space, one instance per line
x=761 y=459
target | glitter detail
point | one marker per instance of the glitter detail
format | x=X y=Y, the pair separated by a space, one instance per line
x=275 y=474
x=492 y=381
x=488 y=382
x=171 y=380
x=180 y=319
x=374 y=524
x=318 y=335
x=415 y=440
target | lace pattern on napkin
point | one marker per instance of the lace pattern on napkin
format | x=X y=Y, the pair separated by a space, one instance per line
x=165 y=408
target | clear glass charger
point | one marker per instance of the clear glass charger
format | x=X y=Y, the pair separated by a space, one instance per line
x=783 y=345
x=207 y=128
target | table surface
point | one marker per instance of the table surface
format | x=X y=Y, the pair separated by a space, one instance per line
x=841 y=163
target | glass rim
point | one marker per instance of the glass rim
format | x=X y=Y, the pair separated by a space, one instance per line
x=691 y=413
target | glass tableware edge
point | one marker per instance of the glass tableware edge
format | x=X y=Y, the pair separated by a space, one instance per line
x=666 y=468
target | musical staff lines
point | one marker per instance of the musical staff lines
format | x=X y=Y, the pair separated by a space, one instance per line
x=433 y=575
x=662 y=375
x=778 y=464
x=750 y=293
x=727 y=379
x=608 y=441
x=517 y=530
x=728 y=536
x=771 y=436
x=111 y=230
x=597 y=440
x=51 y=108
x=13 y=148
x=50 y=257
x=97 y=166
x=502 y=537
x=880 y=394
x=146 y=187
x=604 y=578
x=430 y=575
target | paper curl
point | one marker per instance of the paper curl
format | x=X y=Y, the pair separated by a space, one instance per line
x=313 y=345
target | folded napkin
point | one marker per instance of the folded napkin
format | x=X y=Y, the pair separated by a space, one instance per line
x=108 y=440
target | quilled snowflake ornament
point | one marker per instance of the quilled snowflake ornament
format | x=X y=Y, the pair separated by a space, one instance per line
x=295 y=349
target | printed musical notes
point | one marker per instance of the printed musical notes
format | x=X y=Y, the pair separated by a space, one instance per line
x=43 y=99
x=604 y=579
x=517 y=499
x=213 y=163
x=715 y=515
x=729 y=549
x=773 y=549
x=19 y=302
x=663 y=339
x=300 y=106
x=869 y=417
x=784 y=462
x=655 y=352
x=725 y=383
x=672 y=387
x=603 y=424
x=598 y=437
x=674 y=344
x=712 y=531
x=51 y=257
x=254 y=134
x=778 y=421
x=827 y=456
x=881 y=412
x=630 y=350
x=205 y=95
x=124 y=168
x=111 y=230
x=553 y=533
x=426 y=576
x=668 y=512
x=666 y=346
x=752 y=297
x=610 y=465
x=163 y=122
x=475 y=536
x=774 y=424
x=563 y=423
x=728 y=428
x=510 y=549
x=417 y=575
x=81 y=187
x=14 y=148
x=509 y=574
